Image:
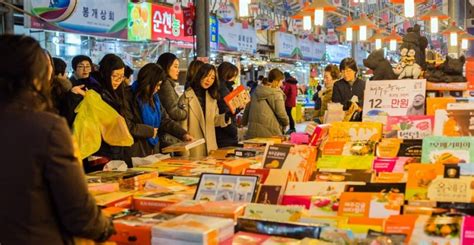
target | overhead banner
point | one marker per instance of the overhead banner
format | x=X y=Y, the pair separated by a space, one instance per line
x=336 y=53
x=235 y=38
x=290 y=47
x=107 y=18
x=392 y=98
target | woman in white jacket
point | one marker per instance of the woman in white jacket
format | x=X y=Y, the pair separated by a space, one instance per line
x=203 y=112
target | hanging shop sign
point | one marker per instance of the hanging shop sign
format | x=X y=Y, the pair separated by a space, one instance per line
x=290 y=47
x=188 y=21
x=166 y=24
x=286 y=46
x=106 y=18
x=393 y=98
x=336 y=53
x=139 y=21
x=226 y=11
x=214 y=32
x=235 y=38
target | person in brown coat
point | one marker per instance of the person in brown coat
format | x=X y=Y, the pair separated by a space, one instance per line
x=45 y=196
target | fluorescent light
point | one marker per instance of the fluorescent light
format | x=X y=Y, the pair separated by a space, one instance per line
x=434 y=24
x=393 y=45
x=363 y=33
x=349 y=34
x=378 y=43
x=464 y=44
x=409 y=8
x=319 y=17
x=307 y=23
x=244 y=8
x=453 y=36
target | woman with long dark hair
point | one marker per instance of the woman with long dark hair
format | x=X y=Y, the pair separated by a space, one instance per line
x=147 y=119
x=227 y=73
x=203 y=112
x=168 y=95
x=48 y=201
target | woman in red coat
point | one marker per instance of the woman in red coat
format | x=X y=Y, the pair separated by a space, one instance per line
x=291 y=91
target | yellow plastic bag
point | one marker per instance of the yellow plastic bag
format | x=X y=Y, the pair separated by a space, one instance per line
x=96 y=120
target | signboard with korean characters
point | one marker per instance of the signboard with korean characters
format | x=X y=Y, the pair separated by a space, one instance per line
x=393 y=98
x=214 y=32
x=168 y=24
x=337 y=53
x=286 y=46
x=236 y=38
x=106 y=18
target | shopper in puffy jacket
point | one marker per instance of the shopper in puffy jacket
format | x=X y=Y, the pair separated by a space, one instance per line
x=291 y=91
x=46 y=197
x=349 y=88
x=265 y=115
x=227 y=73
x=169 y=97
x=145 y=116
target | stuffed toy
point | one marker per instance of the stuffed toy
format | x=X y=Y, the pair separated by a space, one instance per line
x=381 y=67
x=419 y=43
x=448 y=72
x=408 y=68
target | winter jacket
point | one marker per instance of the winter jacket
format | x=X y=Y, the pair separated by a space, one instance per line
x=291 y=91
x=141 y=132
x=343 y=92
x=266 y=115
x=325 y=97
x=201 y=124
x=174 y=107
x=72 y=100
x=226 y=136
x=47 y=200
x=59 y=89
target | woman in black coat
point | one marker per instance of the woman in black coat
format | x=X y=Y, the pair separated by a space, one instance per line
x=146 y=117
x=46 y=196
x=349 y=88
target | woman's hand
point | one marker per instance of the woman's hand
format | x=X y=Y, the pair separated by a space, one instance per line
x=188 y=137
x=79 y=90
x=155 y=132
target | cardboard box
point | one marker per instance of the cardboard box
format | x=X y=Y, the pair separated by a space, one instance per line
x=115 y=199
x=155 y=202
x=274 y=212
x=235 y=166
x=224 y=209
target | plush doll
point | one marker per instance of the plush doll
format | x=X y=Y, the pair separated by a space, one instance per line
x=380 y=66
x=417 y=42
x=448 y=72
x=408 y=68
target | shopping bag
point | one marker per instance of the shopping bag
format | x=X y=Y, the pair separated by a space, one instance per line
x=86 y=129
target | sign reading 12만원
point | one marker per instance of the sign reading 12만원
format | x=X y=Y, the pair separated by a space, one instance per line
x=393 y=98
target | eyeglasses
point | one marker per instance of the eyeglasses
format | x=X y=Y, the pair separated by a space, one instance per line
x=117 y=77
x=81 y=67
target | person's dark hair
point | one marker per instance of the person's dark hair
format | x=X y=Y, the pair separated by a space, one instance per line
x=148 y=78
x=348 y=63
x=265 y=81
x=333 y=70
x=200 y=75
x=59 y=66
x=287 y=75
x=24 y=62
x=108 y=64
x=80 y=58
x=275 y=75
x=227 y=71
x=166 y=60
x=128 y=72
x=193 y=69
x=260 y=78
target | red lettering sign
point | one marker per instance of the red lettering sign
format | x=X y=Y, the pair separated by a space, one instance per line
x=167 y=25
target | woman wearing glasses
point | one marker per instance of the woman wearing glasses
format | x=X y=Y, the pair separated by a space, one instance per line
x=350 y=88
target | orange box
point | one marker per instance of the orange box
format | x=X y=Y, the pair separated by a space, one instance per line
x=115 y=199
x=131 y=234
x=155 y=202
x=235 y=166
x=223 y=209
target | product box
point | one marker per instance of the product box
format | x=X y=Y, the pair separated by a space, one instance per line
x=401 y=224
x=342 y=175
x=237 y=98
x=387 y=177
x=441 y=103
x=299 y=159
x=467 y=231
x=409 y=127
x=275 y=228
x=115 y=199
x=156 y=201
x=273 y=212
x=271 y=191
x=436 y=230
x=320 y=198
x=360 y=226
x=456 y=120
x=370 y=204
x=390 y=165
x=223 y=209
x=137 y=229
x=222 y=187
x=193 y=229
x=318 y=133
x=420 y=177
x=355 y=131
x=162 y=184
x=347 y=155
x=247 y=238
x=236 y=166
x=102 y=188
x=448 y=150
